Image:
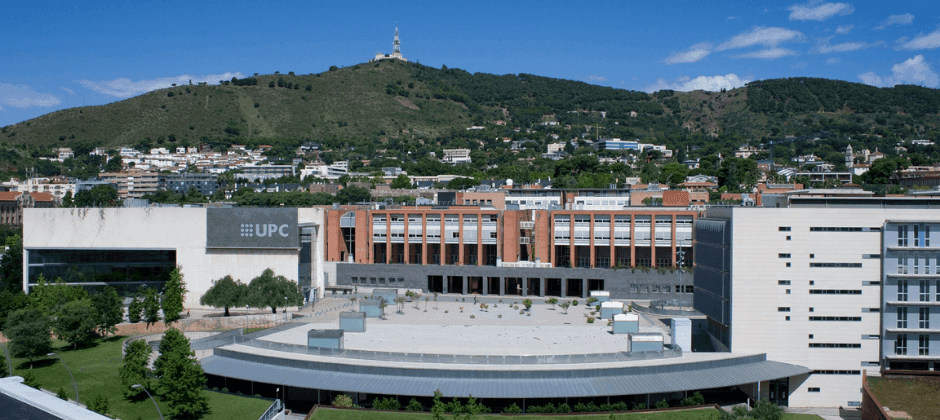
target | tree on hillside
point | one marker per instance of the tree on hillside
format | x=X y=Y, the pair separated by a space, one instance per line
x=173 y=292
x=268 y=290
x=75 y=323
x=351 y=195
x=51 y=297
x=28 y=331
x=10 y=302
x=402 y=182
x=104 y=195
x=134 y=309
x=110 y=309
x=737 y=173
x=135 y=370
x=225 y=293
x=181 y=379
x=11 y=264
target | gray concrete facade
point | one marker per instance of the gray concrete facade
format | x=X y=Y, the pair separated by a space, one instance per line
x=621 y=283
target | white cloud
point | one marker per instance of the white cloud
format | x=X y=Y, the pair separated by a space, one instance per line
x=67 y=90
x=833 y=61
x=768 y=37
x=596 y=78
x=844 y=29
x=695 y=53
x=768 y=54
x=923 y=42
x=905 y=19
x=22 y=96
x=913 y=71
x=733 y=17
x=823 y=46
x=125 y=88
x=709 y=83
x=820 y=12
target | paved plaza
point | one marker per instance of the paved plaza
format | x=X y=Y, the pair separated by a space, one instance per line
x=500 y=330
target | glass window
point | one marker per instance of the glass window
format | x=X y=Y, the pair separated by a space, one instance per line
x=924 y=322
x=900 y=345
x=924 y=291
x=902 y=235
x=902 y=317
x=923 y=345
x=902 y=290
x=902 y=264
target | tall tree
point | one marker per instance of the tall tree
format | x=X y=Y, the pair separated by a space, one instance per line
x=28 y=331
x=181 y=379
x=75 y=323
x=225 y=293
x=401 y=182
x=135 y=370
x=110 y=309
x=151 y=306
x=51 y=297
x=11 y=264
x=268 y=290
x=173 y=293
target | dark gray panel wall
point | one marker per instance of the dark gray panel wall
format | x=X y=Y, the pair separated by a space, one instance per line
x=252 y=228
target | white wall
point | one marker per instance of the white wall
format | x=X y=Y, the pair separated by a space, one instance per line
x=182 y=229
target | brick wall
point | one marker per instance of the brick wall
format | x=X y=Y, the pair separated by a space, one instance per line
x=207 y=324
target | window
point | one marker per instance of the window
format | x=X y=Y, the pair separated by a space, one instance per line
x=811 y=256
x=924 y=322
x=902 y=291
x=783 y=309
x=788 y=238
x=902 y=317
x=916 y=236
x=812 y=282
x=902 y=235
x=788 y=291
x=810 y=336
x=837 y=229
x=812 y=389
x=937 y=289
x=811 y=309
x=835 y=265
x=902 y=264
x=633 y=288
x=788 y=264
x=355 y=280
x=784 y=229
x=492 y=235
x=924 y=291
x=923 y=345
x=783 y=255
x=836 y=318
x=788 y=318
x=927 y=236
x=834 y=292
x=900 y=345
x=835 y=345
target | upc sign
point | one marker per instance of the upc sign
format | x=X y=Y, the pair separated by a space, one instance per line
x=257 y=228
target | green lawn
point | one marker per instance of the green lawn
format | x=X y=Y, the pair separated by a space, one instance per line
x=916 y=396
x=96 y=373
x=702 y=414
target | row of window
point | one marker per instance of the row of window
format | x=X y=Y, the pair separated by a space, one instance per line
x=837 y=372
x=835 y=318
x=921 y=235
x=377 y=280
x=923 y=289
x=908 y=264
x=657 y=288
x=833 y=229
x=923 y=317
x=835 y=345
x=835 y=265
x=834 y=292
x=923 y=345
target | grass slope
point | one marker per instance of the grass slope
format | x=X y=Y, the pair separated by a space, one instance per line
x=917 y=396
x=96 y=373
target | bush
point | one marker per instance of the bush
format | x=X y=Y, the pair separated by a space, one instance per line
x=527 y=303
x=99 y=404
x=512 y=409
x=225 y=390
x=388 y=404
x=574 y=302
x=662 y=403
x=30 y=380
x=342 y=401
x=414 y=405
x=639 y=406
x=61 y=394
x=694 y=399
x=590 y=320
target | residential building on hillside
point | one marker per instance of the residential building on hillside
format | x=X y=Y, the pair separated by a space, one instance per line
x=455 y=156
x=12 y=204
x=258 y=173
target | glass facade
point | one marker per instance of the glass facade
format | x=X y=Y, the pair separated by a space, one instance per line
x=125 y=269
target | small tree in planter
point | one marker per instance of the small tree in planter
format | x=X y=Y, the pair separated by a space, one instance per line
x=591 y=300
x=527 y=303
x=401 y=304
x=565 y=305
x=435 y=300
x=417 y=298
x=426 y=303
x=382 y=305
x=553 y=302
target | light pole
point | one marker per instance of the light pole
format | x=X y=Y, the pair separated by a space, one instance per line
x=70 y=374
x=151 y=398
x=681 y=255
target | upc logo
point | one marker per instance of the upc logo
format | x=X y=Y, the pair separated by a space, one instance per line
x=262 y=230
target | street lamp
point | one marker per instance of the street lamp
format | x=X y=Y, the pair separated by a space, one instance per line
x=70 y=374
x=151 y=398
x=681 y=255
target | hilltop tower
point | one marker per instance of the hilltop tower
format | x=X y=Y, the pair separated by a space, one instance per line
x=396 y=51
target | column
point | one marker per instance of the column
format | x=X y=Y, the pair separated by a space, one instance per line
x=407 y=251
x=564 y=288
x=572 y=256
x=653 y=240
x=486 y=286
x=460 y=239
x=480 y=238
x=542 y=287
x=591 y=242
x=445 y=284
x=424 y=239
x=632 y=240
x=443 y=243
x=675 y=227
x=613 y=243
x=388 y=238
x=466 y=286
x=584 y=288
x=502 y=286
x=525 y=287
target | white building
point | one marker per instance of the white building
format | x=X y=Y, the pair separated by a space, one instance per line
x=802 y=283
x=455 y=156
x=130 y=247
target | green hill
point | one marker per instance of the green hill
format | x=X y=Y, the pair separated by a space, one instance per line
x=392 y=109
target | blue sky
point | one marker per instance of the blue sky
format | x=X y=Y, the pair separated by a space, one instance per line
x=56 y=55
